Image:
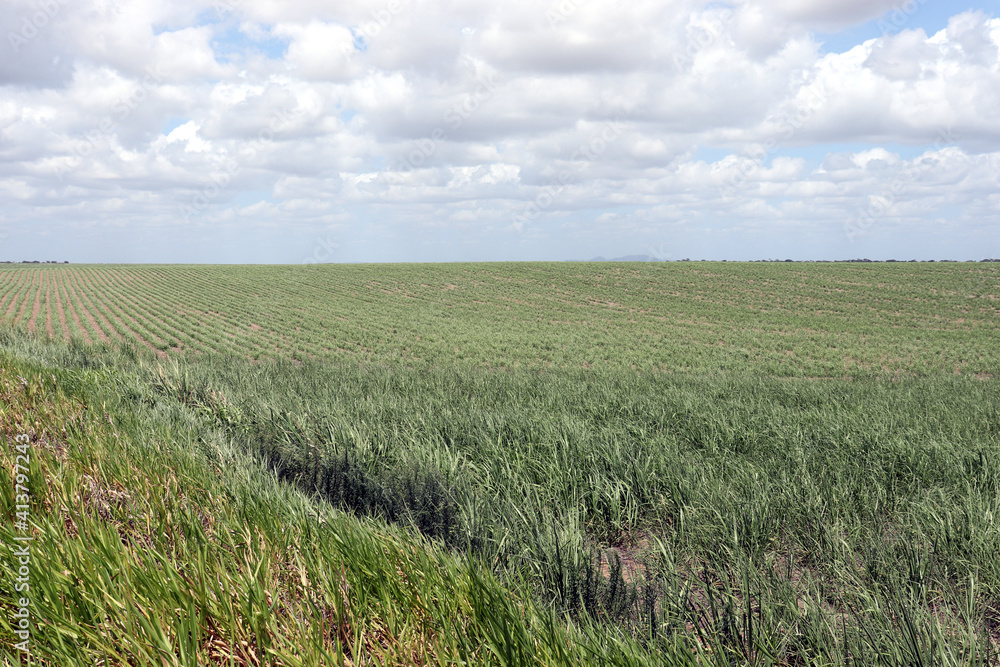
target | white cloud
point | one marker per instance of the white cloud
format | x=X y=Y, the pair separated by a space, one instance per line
x=186 y=133
x=420 y=111
x=318 y=51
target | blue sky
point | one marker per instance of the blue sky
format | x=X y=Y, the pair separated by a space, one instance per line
x=930 y=16
x=424 y=130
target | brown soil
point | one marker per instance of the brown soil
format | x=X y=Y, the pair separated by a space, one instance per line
x=12 y=279
x=120 y=315
x=630 y=555
x=12 y=293
x=73 y=314
x=117 y=313
x=86 y=306
x=134 y=301
x=991 y=623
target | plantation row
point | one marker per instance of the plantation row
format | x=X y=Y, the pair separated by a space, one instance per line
x=787 y=320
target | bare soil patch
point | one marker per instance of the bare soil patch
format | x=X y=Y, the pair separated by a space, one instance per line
x=630 y=554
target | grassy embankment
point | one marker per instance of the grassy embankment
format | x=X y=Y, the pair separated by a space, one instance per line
x=157 y=541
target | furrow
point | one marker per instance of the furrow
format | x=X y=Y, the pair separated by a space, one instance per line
x=107 y=300
x=108 y=331
x=72 y=309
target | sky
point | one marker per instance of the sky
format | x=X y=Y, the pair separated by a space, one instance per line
x=304 y=131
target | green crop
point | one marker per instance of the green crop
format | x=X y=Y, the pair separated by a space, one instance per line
x=512 y=463
x=789 y=320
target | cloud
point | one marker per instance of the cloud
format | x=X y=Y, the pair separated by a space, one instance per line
x=318 y=51
x=421 y=112
x=32 y=46
x=830 y=14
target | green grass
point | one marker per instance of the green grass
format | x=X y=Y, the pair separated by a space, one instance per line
x=788 y=320
x=831 y=500
x=587 y=477
x=158 y=542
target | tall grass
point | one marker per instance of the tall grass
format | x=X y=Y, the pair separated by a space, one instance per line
x=750 y=520
x=159 y=542
x=793 y=519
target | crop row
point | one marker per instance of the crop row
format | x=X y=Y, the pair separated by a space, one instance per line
x=791 y=320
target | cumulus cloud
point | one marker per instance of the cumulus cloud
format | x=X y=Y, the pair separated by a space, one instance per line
x=831 y=14
x=400 y=115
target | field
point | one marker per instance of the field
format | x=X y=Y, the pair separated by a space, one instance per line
x=788 y=320
x=685 y=463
